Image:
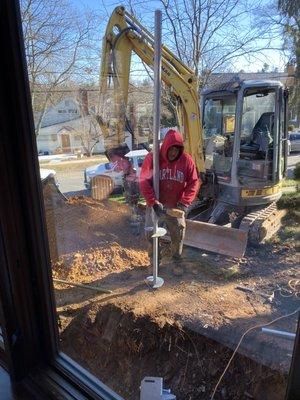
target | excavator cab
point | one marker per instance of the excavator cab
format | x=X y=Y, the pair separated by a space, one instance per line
x=245 y=140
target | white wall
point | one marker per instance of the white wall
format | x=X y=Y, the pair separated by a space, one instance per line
x=49 y=138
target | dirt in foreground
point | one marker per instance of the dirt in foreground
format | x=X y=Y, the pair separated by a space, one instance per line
x=122 y=348
x=135 y=331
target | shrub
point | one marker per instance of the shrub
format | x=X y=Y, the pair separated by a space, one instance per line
x=290 y=201
x=297 y=172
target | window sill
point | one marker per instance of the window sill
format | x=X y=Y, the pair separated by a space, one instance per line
x=66 y=380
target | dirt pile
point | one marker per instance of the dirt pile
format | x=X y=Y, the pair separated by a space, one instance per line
x=82 y=224
x=95 y=239
x=96 y=263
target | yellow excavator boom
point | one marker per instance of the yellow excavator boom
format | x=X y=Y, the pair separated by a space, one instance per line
x=125 y=35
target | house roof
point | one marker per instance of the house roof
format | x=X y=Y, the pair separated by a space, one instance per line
x=65 y=110
x=225 y=80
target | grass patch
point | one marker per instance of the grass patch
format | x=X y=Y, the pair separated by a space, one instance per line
x=291 y=231
x=290 y=201
x=289 y=183
x=118 y=197
x=290 y=228
x=231 y=272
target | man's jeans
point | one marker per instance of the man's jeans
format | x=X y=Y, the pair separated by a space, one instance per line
x=175 y=226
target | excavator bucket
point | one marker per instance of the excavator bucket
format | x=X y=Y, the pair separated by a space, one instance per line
x=218 y=239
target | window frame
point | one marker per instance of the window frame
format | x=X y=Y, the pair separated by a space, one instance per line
x=26 y=289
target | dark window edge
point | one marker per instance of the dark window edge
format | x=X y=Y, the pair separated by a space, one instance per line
x=84 y=379
x=45 y=384
x=293 y=385
x=65 y=380
x=1 y=340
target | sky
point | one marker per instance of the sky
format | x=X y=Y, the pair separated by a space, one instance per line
x=273 y=58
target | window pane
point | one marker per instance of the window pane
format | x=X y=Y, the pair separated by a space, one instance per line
x=92 y=141
x=219 y=125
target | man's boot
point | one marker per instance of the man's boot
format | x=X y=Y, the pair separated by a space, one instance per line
x=177 y=267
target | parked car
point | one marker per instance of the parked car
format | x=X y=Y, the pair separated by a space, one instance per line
x=137 y=157
x=112 y=169
x=294 y=139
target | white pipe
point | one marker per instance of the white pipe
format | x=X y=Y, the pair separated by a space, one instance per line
x=283 y=334
x=156 y=130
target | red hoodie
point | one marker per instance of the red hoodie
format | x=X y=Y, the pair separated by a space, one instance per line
x=178 y=180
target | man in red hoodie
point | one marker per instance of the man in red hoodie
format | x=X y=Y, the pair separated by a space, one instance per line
x=178 y=187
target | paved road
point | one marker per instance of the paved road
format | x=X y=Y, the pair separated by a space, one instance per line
x=72 y=181
x=292 y=161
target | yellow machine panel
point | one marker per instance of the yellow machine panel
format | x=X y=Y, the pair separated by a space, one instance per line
x=267 y=191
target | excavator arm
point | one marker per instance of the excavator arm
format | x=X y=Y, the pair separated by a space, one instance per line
x=125 y=35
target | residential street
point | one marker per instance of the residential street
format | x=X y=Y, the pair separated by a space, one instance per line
x=72 y=181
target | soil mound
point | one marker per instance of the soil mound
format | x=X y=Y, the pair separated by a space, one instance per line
x=96 y=263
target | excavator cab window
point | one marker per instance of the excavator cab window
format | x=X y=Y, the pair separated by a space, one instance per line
x=257 y=132
x=219 y=127
x=257 y=122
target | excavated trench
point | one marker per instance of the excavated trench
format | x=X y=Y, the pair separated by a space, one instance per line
x=121 y=348
x=131 y=333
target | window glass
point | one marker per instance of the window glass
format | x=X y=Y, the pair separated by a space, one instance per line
x=110 y=319
x=257 y=134
x=258 y=115
x=218 y=127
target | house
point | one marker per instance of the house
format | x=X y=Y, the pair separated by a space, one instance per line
x=67 y=128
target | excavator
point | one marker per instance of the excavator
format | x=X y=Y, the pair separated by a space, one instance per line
x=239 y=145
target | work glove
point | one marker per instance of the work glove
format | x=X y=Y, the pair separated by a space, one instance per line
x=158 y=209
x=183 y=208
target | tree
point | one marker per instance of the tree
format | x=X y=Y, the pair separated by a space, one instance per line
x=265 y=67
x=210 y=35
x=58 y=46
x=290 y=11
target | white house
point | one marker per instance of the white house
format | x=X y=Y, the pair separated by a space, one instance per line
x=64 y=129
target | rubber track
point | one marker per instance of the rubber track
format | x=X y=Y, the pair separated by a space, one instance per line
x=253 y=223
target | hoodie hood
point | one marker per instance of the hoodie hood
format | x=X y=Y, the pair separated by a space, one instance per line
x=172 y=138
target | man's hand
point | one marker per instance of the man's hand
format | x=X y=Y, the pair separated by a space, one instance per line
x=158 y=209
x=182 y=207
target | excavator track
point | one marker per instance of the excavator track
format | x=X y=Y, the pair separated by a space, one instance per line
x=262 y=224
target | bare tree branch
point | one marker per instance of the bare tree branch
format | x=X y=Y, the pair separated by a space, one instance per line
x=58 y=42
x=211 y=34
